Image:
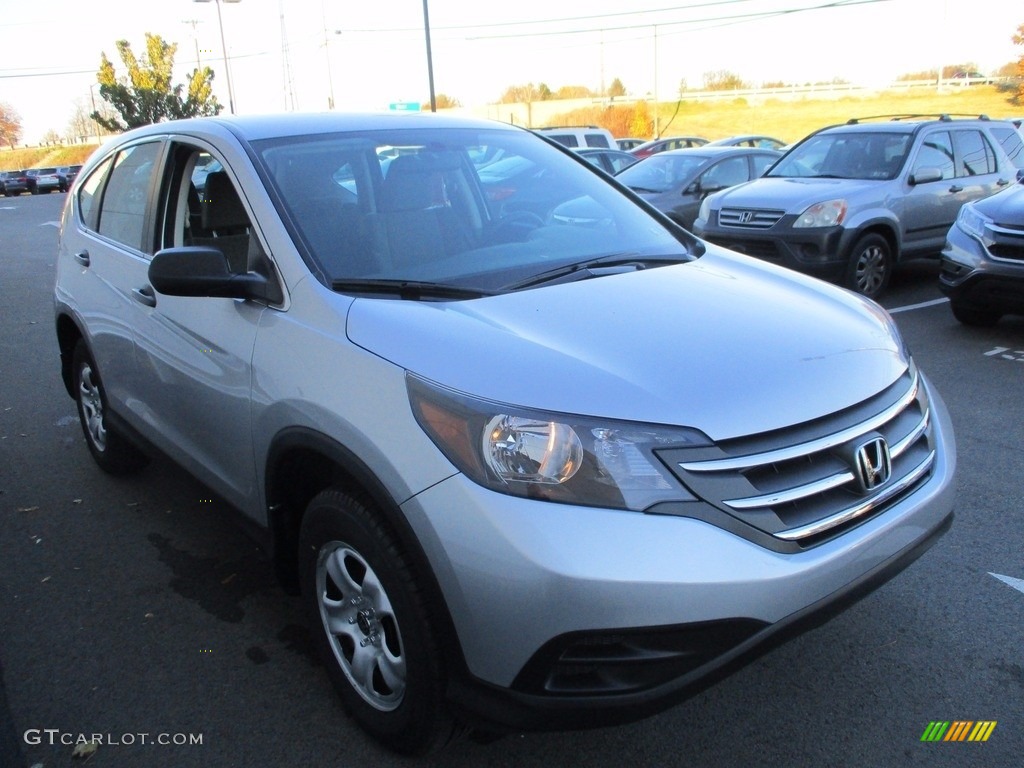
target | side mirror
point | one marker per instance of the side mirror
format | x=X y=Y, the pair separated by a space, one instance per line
x=204 y=271
x=925 y=176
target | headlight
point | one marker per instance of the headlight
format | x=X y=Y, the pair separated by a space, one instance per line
x=705 y=210
x=828 y=214
x=551 y=456
x=972 y=222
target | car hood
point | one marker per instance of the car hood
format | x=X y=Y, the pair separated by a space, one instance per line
x=793 y=195
x=725 y=344
x=1006 y=207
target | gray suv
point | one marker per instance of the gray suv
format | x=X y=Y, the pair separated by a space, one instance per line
x=849 y=201
x=509 y=483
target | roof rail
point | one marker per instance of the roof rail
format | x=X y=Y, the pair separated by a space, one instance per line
x=944 y=116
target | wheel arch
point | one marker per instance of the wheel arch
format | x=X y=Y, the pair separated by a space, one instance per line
x=300 y=464
x=68 y=335
x=889 y=230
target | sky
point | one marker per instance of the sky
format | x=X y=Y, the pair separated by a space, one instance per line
x=289 y=55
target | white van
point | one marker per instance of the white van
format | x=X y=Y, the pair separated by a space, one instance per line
x=579 y=136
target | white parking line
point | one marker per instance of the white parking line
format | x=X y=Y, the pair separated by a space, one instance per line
x=922 y=305
x=1017 y=584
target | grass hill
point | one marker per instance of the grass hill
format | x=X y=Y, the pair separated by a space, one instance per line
x=786 y=120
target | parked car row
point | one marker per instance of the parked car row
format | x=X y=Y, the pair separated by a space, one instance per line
x=38 y=181
x=851 y=201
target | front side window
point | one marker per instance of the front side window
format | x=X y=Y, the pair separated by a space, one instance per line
x=937 y=152
x=122 y=213
x=89 y=194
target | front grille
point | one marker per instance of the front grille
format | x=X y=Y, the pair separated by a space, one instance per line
x=749 y=218
x=1007 y=243
x=802 y=484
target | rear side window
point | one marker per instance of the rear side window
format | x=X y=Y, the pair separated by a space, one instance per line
x=122 y=214
x=89 y=194
x=597 y=140
x=565 y=139
x=975 y=155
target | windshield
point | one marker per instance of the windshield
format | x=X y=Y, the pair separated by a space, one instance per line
x=662 y=172
x=847 y=155
x=463 y=208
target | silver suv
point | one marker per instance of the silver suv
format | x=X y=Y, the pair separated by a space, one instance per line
x=850 y=201
x=511 y=484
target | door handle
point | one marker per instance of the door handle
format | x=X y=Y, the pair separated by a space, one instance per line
x=145 y=295
x=956 y=188
x=82 y=257
x=1002 y=182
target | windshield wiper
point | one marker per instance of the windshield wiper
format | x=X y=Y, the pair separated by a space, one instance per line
x=605 y=265
x=413 y=290
x=645 y=190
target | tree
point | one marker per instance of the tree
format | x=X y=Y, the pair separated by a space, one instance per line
x=10 y=125
x=723 y=80
x=616 y=89
x=444 y=101
x=145 y=95
x=573 y=92
x=516 y=94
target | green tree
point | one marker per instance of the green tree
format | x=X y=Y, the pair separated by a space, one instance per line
x=10 y=125
x=146 y=95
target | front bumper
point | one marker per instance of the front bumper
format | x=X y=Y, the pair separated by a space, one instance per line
x=820 y=252
x=971 y=278
x=569 y=617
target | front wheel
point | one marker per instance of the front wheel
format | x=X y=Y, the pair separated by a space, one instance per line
x=870 y=266
x=371 y=624
x=111 y=451
x=979 y=318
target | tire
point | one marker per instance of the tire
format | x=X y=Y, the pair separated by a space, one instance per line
x=978 y=318
x=870 y=266
x=112 y=452
x=370 y=624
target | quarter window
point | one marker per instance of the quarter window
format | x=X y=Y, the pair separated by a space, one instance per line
x=1011 y=143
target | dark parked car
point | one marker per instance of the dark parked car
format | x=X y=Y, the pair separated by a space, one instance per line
x=67 y=175
x=608 y=160
x=629 y=143
x=677 y=181
x=655 y=146
x=17 y=182
x=983 y=261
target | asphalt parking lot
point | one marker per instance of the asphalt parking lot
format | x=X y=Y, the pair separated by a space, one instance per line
x=137 y=610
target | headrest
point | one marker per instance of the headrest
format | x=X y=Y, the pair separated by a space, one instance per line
x=221 y=207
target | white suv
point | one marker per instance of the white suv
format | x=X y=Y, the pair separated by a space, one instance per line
x=514 y=486
x=580 y=136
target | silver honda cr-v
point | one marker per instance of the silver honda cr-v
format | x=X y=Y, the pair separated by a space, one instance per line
x=526 y=471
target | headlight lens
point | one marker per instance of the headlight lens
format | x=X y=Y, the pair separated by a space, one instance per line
x=705 y=210
x=973 y=223
x=828 y=214
x=551 y=456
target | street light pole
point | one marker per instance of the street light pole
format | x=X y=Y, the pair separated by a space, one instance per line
x=224 y=48
x=430 y=60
